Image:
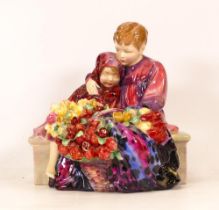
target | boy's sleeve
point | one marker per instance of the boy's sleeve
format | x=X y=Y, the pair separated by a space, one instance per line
x=155 y=94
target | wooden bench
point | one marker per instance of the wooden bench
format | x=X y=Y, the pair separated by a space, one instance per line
x=41 y=156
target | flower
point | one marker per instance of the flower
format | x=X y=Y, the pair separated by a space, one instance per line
x=79 y=136
x=51 y=130
x=144 y=126
x=132 y=111
x=118 y=116
x=144 y=110
x=148 y=121
x=82 y=136
x=51 y=118
x=83 y=102
x=127 y=116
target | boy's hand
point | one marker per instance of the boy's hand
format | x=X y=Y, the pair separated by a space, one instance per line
x=92 y=87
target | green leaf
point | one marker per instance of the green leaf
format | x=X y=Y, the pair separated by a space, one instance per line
x=118 y=155
x=56 y=128
x=65 y=142
x=83 y=120
x=84 y=159
x=68 y=156
x=88 y=106
x=126 y=123
x=80 y=133
x=67 y=116
x=101 y=140
x=109 y=125
x=62 y=138
x=134 y=120
x=138 y=113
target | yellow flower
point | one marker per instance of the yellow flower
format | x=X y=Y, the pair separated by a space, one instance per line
x=144 y=110
x=83 y=102
x=93 y=102
x=54 y=133
x=71 y=114
x=78 y=110
x=127 y=116
x=144 y=126
x=60 y=131
x=118 y=116
x=60 y=119
x=72 y=105
x=62 y=110
x=48 y=127
x=59 y=123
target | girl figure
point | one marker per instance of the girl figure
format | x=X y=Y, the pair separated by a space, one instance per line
x=107 y=76
x=65 y=174
x=143 y=84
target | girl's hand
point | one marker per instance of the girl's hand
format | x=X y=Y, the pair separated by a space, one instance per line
x=92 y=87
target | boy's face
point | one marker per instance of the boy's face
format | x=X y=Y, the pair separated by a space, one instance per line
x=109 y=77
x=128 y=54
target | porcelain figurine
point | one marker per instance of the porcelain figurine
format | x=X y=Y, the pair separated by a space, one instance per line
x=111 y=135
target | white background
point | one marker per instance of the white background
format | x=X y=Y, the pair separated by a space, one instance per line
x=46 y=49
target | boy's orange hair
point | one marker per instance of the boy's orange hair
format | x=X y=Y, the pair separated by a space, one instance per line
x=131 y=33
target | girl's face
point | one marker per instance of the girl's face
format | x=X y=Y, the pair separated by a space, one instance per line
x=128 y=54
x=109 y=77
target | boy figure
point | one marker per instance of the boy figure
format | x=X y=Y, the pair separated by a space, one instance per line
x=143 y=80
x=143 y=83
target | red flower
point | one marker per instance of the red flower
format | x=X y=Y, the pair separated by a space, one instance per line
x=89 y=113
x=74 y=120
x=72 y=144
x=84 y=114
x=80 y=139
x=159 y=135
x=80 y=127
x=94 y=140
x=71 y=132
x=63 y=150
x=76 y=153
x=104 y=153
x=152 y=116
x=58 y=141
x=89 y=154
x=99 y=108
x=159 y=124
x=111 y=144
x=102 y=132
x=95 y=151
x=94 y=123
x=89 y=131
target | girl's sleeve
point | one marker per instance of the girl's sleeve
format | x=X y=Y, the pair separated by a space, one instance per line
x=155 y=94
